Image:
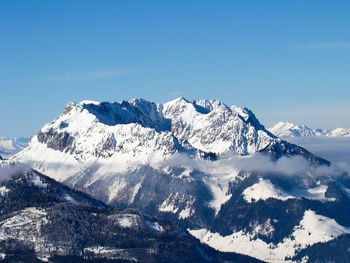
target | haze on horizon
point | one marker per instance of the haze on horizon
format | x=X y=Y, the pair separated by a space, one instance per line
x=285 y=60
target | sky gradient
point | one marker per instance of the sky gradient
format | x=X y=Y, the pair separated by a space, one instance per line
x=285 y=60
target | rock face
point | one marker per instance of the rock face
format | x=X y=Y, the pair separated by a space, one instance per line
x=214 y=169
x=43 y=220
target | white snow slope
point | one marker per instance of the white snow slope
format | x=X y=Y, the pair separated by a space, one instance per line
x=264 y=189
x=313 y=228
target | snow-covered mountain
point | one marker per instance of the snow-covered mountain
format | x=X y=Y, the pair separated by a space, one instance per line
x=288 y=129
x=9 y=147
x=339 y=132
x=42 y=220
x=139 y=132
x=213 y=168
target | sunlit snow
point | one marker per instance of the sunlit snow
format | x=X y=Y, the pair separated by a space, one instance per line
x=313 y=228
x=155 y=226
x=264 y=189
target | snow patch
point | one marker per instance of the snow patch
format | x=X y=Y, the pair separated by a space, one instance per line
x=102 y=250
x=218 y=184
x=155 y=226
x=135 y=191
x=185 y=213
x=117 y=185
x=3 y=190
x=174 y=203
x=263 y=190
x=128 y=220
x=189 y=210
x=313 y=228
x=110 y=252
x=265 y=229
x=168 y=205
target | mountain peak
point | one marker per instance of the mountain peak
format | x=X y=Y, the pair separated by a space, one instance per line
x=289 y=129
x=179 y=99
x=339 y=132
x=131 y=132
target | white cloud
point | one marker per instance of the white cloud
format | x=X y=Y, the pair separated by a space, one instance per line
x=7 y=170
x=334 y=149
x=231 y=162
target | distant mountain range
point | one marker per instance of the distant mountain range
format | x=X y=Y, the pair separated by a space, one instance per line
x=288 y=129
x=213 y=169
x=9 y=147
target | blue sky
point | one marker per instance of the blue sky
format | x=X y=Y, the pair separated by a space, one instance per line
x=285 y=60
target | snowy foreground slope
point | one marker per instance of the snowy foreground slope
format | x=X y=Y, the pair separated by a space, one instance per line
x=288 y=129
x=42 y=220
x=313 y=228
x=213 y=168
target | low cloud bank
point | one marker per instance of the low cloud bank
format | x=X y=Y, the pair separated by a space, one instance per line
x=8 y=170
x=334 y=149
x=336 y=169
x=229 y=163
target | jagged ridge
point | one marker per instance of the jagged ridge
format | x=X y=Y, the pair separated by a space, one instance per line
x=103 y=129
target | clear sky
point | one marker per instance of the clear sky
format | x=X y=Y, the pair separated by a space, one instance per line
x=285 y=60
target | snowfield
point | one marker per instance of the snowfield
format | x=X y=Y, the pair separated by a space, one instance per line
x=264 y=189
x=312 y=229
